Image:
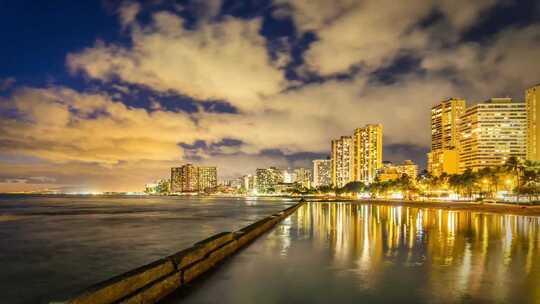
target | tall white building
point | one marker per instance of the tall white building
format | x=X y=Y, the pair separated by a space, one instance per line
x=367 y=153
x=322 y=172
x=491 y=132
x=342 y=161
x=302 y=176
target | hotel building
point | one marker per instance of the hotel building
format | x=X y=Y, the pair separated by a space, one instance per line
x=207 y=179
x=390 y=171
x=322 y=172
x=532 y=101
x=185 y=179
x=491 y=132
x=302 y=176
x=267 y=179
x=342 y=161
x=367 y=153
x=444 y=155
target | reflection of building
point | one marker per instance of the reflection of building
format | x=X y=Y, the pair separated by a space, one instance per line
x=303 y=177
x=322 y=175
x=532 y=100
x=207 y=179
x=367 y=155
x=185 y=179
x=443 y=157
x=267 y=179
x=390 y=171
x=342 y=161
x=491 y=132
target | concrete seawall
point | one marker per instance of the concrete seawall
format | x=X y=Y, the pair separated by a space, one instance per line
x=152 y=282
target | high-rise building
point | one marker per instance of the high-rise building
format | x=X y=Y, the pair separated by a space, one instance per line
x=207 y=179
x=303 y=177
x=249 y=182
x=367 y=153
x=176 y=179
x=445 y=116
x=267 y=179
x=342 y=161
x=185 y=179
x=491 y=132
x=322 y=172
x=532 y=101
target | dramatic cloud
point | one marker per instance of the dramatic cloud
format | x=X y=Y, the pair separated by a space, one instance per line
x=370 y=33
x=60 y=125
x=226 y=60
x=275 y=119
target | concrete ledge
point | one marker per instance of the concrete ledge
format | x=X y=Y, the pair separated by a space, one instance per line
x=153 y=282
x=120 y=286
x=156 y=291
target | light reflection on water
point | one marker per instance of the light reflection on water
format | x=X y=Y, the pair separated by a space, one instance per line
x=345 y=253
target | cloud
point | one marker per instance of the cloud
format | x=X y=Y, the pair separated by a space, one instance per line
x=226 y=60
x=370 y=33
x=60 y=124
x=99 y=141
x=127 y=12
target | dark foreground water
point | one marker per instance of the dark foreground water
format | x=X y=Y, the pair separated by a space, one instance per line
x=52 y=247
x=347 y=253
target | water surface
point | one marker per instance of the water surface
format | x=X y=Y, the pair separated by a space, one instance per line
x=360 y=253
x=52 y=247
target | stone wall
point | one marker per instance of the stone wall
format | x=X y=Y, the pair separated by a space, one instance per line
x=153 y=282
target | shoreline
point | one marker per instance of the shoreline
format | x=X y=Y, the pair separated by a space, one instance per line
x=498 y=208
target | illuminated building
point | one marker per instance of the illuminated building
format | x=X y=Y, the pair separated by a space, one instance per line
x=185 y=179
x=443 y=157
x=322 y=172
x=303 y=177
x=367 y=153
x=267 y=179
x=532 y=101
x=491 y=132
x=249 y=182
x=207 y=179
x=342 y=161
x=410 y=168
x=288 y=176
x=390 y=171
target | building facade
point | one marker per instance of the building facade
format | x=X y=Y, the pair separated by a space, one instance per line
x=491 y=132
x=268 y=179
x=249 y=183
x=322 y=172
x=207 y=179
x=303 y=177
x=444 y=155
x=390 y=171
x=342 y=161
x=367 y=153
x=532 y=101
x=185 y=179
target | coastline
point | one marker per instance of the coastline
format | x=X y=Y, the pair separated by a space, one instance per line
x=497 y=208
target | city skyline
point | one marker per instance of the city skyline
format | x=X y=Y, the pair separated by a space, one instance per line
x=136 y=88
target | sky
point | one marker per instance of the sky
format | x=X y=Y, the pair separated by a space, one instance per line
x=108 y=95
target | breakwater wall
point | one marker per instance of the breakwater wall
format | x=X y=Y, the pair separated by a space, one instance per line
x=153 y=282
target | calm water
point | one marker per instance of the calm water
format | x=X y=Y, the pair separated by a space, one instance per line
x=51 y=247
x=347 y=253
